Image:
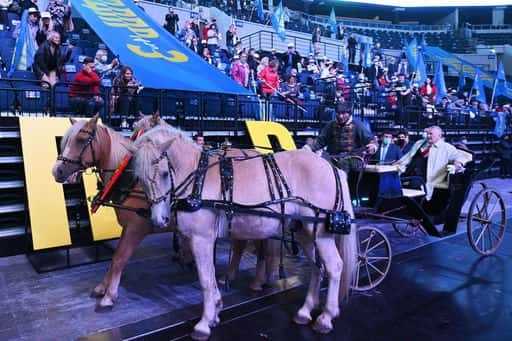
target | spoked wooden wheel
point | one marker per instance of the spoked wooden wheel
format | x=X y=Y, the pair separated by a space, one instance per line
x=374 y=259
x=408 y=228
x=486 y=221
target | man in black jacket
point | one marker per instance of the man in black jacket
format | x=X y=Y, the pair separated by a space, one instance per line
x=49 y=60
x=290 y=58
x=171 y=21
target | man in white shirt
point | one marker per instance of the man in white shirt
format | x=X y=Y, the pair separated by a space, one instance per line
x=438 y=158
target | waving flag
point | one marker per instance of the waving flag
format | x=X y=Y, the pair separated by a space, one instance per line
x=412 y=53
x=25 y=48
x=367 y=55
x=439 y=83
x=501 y=81
x=421 y=70
x=462 y=81
x=332 y=21
x=478 y=87
x=278 y=21
x=259 y=10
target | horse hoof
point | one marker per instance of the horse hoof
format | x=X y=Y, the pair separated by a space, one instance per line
x=323 y=325
x=302 y=319
x=106 y=302
x=98 y=292
x=200 y=334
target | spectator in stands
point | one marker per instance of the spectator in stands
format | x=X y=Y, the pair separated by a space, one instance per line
x=207 y=56
x=125 y=92
x=291 y=89
x=84 y=92
x=352 y=47
x=232 y=39
x=340 y=32
x=374 y=71
x=212 y=36
x=428 y=92
x=290 y=59
x=377 y=51
x=253 y=59
x=403 y=92
x=316 y=39
x=4 y=17
x=388 y=152
x=33 y=24
x=269 y=80
x=313 y=68
x=189 y=34
x=49 y=59
x=171 y=21
x=45 y=26
x=104 y=70
x=61 y=15
x=505 y=153
x=403 y=66
x=262 y=65
x=195 y=46
x=403 y=142
x=240 y=70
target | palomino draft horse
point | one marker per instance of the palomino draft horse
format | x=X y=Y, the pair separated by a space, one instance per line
x=172 y=172
x=89 y=144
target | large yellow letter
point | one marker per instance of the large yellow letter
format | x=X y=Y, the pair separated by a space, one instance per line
x=46 y=204
x=259 y=132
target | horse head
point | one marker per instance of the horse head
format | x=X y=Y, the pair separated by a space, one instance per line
x=163 y=157
x=79 y=150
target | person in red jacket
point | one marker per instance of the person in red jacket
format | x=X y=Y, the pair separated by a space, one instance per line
x=269 y=79
x=84 y=92
x=428 y=92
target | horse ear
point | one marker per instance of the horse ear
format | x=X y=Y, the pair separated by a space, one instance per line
x=129 y=147
x=166 y=145
x=94 y=120
x=72 y=120
x=141 y=116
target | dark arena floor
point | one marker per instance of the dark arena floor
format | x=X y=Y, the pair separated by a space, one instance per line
x=437 y=289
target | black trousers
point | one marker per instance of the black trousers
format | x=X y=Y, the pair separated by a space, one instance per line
x=127 y=105
x=84 y=106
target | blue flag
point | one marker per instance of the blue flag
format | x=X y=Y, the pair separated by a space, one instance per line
x=421 y=70
x=278 y=21
x=25 y=48
x=462 y=81
x=412 y=53
x=478 y=87
x=367 y=55
x=439 y=83
x=501 y=82
x=259 y=10
x=332 y=21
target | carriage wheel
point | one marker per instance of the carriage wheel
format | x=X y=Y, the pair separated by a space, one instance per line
x=408 y=228
x=374 y=258
x=486 y=221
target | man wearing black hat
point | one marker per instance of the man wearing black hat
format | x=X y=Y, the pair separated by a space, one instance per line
x=345 y=134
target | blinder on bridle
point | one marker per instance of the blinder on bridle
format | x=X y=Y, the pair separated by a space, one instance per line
x=151 y=196
x=88 y=144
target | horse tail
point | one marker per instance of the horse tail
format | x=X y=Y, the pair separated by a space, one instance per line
x=347 y=244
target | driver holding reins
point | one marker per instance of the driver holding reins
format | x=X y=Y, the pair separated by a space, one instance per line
x=345 y=135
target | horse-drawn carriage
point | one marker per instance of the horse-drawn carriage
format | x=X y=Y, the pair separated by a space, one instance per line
x=403 y=209
x=255 y=196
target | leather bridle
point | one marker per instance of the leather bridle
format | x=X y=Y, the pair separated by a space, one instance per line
x=88 y=144
x=153 y=188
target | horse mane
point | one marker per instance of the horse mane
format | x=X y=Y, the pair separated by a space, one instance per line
x=147 y=147
x=72 y=131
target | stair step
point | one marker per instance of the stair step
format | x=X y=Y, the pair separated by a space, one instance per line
x=11 y=184
x=11 y=159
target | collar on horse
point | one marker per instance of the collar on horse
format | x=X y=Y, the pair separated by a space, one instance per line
x=88 y=144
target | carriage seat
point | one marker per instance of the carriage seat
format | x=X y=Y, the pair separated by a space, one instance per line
x=413 y=193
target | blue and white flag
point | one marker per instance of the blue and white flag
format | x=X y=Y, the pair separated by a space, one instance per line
x=478 y=88
x=25 y=48
x=333 y=24
x=439 y=83
x=421 y=70
x=462 y=81
x=367 y=55
x=501 y=81
x=259 y=10
x=278 y=21
x=412 y=53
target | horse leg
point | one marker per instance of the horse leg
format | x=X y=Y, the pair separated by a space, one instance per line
x=331 y=259
x=238 y=247
x=312 y=300
x=272 y=259
x=131 y=237
x=259 y=278
x=202 y=248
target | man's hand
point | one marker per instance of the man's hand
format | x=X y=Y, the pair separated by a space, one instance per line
x=371 y=148
x=115 y=62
